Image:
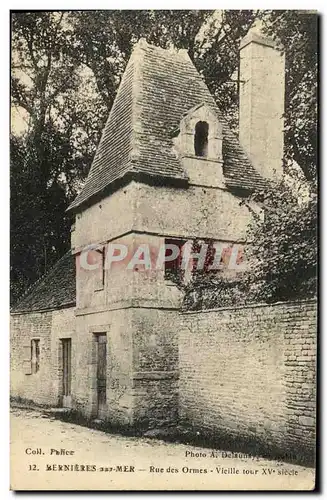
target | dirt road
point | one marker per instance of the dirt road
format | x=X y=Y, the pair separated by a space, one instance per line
x=55 y=455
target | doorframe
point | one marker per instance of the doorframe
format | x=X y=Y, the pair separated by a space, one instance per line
x=93 y=398
x=61 y=369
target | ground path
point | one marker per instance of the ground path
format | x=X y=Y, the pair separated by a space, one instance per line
x=111 y=462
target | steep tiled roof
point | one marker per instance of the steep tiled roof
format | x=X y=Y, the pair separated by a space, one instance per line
x=157 y=88
x=54 y=290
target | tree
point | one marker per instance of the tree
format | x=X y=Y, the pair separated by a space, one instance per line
x=297 y=31
x=283 y=250
x=66 y=69
x=280 y=257
x=54 y=150
x=104 y=41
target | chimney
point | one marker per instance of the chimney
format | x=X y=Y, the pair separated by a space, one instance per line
x=262 y=89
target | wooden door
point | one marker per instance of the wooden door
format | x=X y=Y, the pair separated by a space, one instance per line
x=66 y=372
x=101 y=375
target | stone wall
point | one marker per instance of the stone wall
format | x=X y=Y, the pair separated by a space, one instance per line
x=105 y=220
x=49 y=327
x=142 y=362
x=140 y=287
x=45 y=386
x=196 y=212
x=249 y=374
x=244 y=374
x=155 y=367
x=116 y=324
x=200 y=211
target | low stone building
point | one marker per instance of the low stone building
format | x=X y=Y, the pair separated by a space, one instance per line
x=113 y=343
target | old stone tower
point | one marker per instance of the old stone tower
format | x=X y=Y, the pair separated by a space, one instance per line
x=167 y=169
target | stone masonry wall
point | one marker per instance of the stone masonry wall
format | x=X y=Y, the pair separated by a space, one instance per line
x=155 y=367
x=49 y=327
x=196 y=212
x=37 y=386
x=116 y=324
x=249 y=374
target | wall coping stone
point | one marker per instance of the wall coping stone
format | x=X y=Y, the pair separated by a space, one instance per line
x=253 y=306
x=68 y=305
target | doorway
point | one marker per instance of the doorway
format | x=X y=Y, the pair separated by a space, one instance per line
x=101 y=374
x=66 y=372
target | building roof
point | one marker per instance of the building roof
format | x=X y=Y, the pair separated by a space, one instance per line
x=54 y=290
x=158 y=87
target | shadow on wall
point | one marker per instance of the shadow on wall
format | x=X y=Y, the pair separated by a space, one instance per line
x=183 y=434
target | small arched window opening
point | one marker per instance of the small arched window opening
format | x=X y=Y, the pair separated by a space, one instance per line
x=201 y=139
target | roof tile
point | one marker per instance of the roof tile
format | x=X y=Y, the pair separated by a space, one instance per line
x=158 y=87
x=54 y=290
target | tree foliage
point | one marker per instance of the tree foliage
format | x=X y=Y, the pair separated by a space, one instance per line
x=280 y=257
x=66 y=69
x=297 y=31
x=283 y=249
